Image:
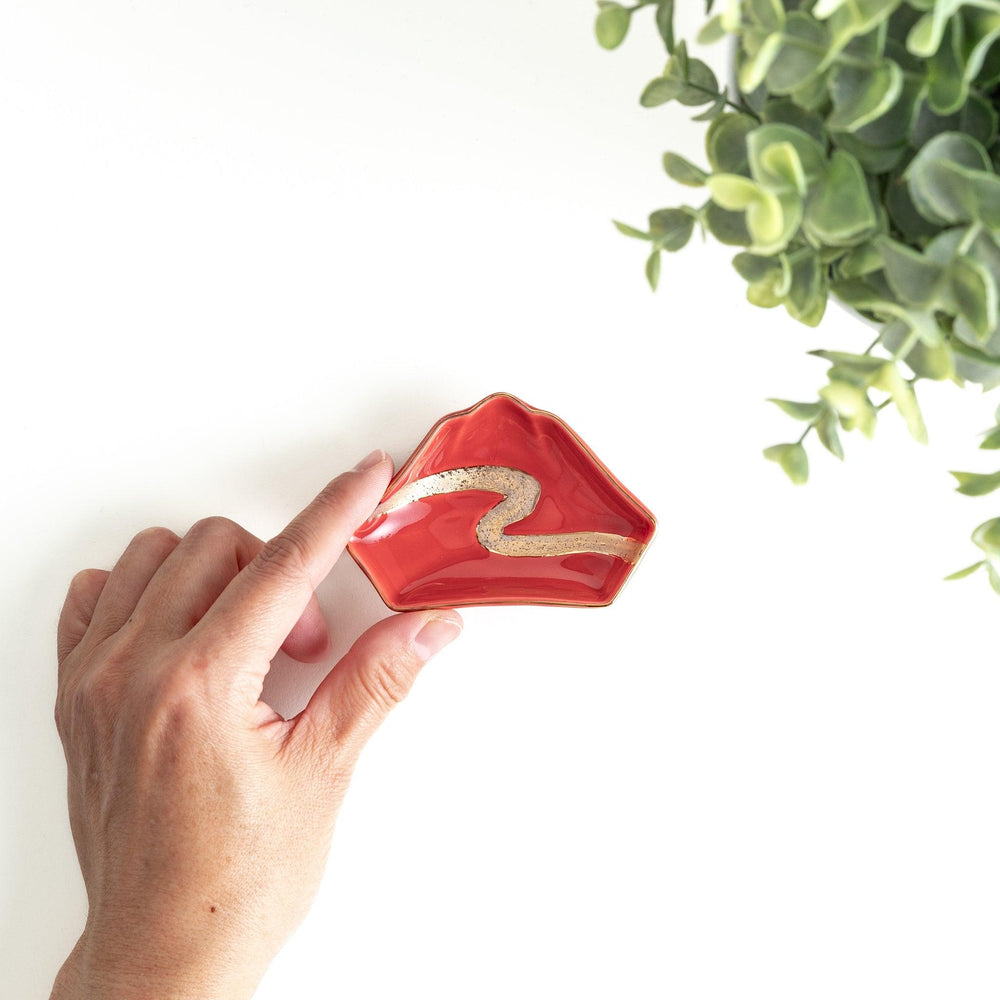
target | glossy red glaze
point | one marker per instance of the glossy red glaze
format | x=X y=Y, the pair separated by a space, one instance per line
x=425 y=554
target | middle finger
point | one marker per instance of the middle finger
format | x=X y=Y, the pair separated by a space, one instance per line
x=192 y=577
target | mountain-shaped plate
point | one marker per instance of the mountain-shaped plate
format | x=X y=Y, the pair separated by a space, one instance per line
x=502 y=504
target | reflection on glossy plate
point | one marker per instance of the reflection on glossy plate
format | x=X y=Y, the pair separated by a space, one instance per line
x=502 y=504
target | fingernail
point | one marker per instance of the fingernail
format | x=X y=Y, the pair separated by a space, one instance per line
x=435 y=635
x=370 y=461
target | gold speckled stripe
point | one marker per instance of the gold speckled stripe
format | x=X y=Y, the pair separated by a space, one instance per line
x=521 y=493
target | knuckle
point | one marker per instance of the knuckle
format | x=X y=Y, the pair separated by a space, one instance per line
x=214 y=527
x=386 y=682
x=59 y=711
x=285 y=555
x=178 y=694
x=95 y=694
x=157 y=538
x=84 y=580
x=333 y=496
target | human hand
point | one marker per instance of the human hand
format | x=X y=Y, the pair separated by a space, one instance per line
x=201 y=818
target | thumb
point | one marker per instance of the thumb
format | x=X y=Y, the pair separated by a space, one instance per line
x=376 y=675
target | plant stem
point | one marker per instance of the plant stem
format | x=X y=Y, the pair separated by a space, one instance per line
x=906 y=346
x=742 y=108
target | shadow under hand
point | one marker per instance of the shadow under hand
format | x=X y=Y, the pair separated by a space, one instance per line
x=350 y=605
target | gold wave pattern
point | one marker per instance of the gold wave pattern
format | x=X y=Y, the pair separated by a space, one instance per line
x=521 y=492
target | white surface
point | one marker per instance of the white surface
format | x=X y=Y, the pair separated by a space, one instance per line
x=245 y=243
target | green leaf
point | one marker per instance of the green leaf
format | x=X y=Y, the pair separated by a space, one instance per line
x=688 y=81
x=784 y=111
x=852 y=405
x=972 y=484
x=992 y=440
x=894 y=125
x=925 y=361
x=805 y=44
x=839 y=210
x=769 y=14
x=808 y=164
x=826 y=430
x=947 y=85
x=935 y=362
x=653 y=269
x=753 y=267
x=611 y=26
x=661 y=90
x=683 y=171
x=977 y=119
x=807 y=292
x=729 y=228
x=982 y=30
x=677 y=64
x=814 y=94
x=959 y=574
x=778 y=168
x=873 y=158
x=753 y=69
x=792 y=458
x=701 y=85
x=665 y=22
x=858 y=17
x=912 y=276
x=627 y=230
x=767 y=279
x=925 y=36
x=824 y=8
x=732 y=16
x=800 y=411
x=860 y=260
x=772 y=221
x=904 y=214
x=975 y=295
x=889 y=380
x=861 y=94
x=951 y=181
x=994 y=577
x=671 y=228
x=869 y=47
x=733 y=192
x=726 y=143
x=987 y=536
x=952 y=147
x=975 y=366
x=712 y=31
x=865 y=364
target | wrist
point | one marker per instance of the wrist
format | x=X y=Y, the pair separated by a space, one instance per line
x=114 y=970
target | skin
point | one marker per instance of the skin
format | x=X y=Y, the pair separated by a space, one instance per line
x=201 y=818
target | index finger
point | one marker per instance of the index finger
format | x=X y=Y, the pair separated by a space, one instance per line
x=262 y=603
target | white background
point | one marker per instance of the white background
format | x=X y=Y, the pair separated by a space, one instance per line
x=243 y=244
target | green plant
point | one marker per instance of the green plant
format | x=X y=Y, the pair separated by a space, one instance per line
x=856 y=156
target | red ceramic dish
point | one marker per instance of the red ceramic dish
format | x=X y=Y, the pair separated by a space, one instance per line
x=502 y=504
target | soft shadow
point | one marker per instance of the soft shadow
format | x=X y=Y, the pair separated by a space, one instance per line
x=350 y=605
